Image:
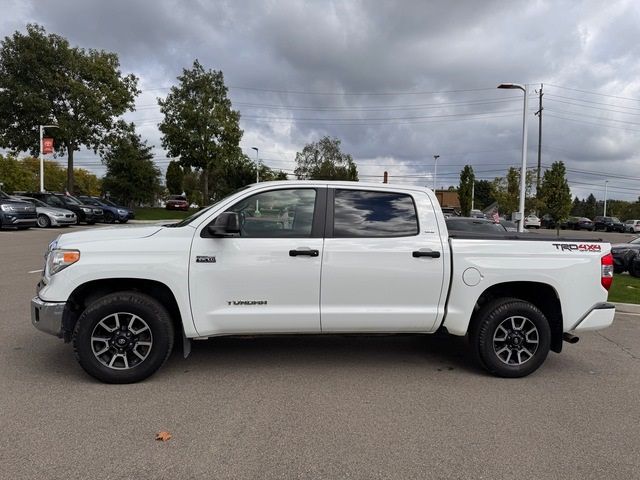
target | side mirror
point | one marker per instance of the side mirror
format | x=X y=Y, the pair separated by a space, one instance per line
x=225 y=225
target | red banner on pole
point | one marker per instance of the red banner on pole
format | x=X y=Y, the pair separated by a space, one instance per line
x=47 y=145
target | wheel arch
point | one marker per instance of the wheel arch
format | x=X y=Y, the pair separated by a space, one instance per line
x=542 y=295
x=88 y=292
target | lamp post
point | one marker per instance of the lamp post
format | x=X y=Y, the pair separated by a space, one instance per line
x=523 y=170
x=41 y=156
x=435 y=171
x=257 y=164
x=605 y=198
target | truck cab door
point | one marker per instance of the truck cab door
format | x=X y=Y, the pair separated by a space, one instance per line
x=383 y=265
x=266 y=279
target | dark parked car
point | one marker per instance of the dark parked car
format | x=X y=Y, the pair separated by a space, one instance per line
x=473 y=225
x=580 y=223
x=547 y=221
x=626 y=257
x=131 y=214
x=610 y=224
x=112 y=213
x=16 y=213
x=177 y=202
x=88 y=214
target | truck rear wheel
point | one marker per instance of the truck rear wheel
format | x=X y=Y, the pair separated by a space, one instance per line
x=511 y=338
x=123 y=337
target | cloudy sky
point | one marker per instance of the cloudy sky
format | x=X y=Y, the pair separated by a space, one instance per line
x=397 y=82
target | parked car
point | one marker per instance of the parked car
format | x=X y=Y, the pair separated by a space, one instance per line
x=177 y=202
x=449 y=212
x=477 y=225
x=88 y=214
x=547 y=221
x=580 y=223
x=632 y=226
x=111 y=214
x=626 y=257
x=531 y=221
x=16 y=213
x=131 y=214
x=49 y=216
x=476 y=214
x=610 y=224
x=320 y=259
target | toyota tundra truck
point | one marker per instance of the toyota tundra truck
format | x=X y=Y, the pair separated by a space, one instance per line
x=317 y=257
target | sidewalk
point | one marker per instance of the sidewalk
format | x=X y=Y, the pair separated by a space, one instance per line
x=627 y=308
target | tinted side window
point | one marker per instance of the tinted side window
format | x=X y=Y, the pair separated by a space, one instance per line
x=277 y=214
x=359 y=213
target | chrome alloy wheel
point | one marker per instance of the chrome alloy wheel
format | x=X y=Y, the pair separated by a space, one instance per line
x=121 y=341
x=515 y=341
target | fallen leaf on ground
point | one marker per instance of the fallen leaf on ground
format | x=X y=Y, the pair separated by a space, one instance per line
x=163 y=436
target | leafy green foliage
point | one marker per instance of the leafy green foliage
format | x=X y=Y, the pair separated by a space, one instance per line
x=174 y=177
x=131 y=176
x=45 y=81
x=506 y=191
x=323 y=160
x=200 y=127
x=467 y=179
x=555 y=192
x=24 y=176
x=483 y=194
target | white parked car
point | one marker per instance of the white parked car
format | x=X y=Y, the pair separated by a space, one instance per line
x=632 y=226
x=317 y=258
x=531 y=221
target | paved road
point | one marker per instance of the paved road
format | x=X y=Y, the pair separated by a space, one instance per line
x=611 y=237
x=312 y=407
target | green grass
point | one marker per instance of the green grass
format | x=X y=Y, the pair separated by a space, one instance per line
x=625 y=289
x=161 y=214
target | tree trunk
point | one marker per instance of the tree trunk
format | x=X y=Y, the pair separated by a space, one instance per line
x=70 y=169
x=205 y=187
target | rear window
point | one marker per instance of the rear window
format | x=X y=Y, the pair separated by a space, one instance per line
x=177 y=197
x=360 y=213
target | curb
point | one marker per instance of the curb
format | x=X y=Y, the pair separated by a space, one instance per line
x=153 y=222
x=627 y=308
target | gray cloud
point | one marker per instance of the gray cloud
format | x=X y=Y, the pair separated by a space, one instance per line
x=370 y=66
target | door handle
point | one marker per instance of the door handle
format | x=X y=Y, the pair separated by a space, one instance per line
x=426 y=253
x=304 y=251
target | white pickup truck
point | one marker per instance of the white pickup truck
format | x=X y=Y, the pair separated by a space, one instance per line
x=317 y=258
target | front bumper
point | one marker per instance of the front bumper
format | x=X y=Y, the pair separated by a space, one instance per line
x=47 y=316
x=599 y=317
x=66 y=220
x=11 y=219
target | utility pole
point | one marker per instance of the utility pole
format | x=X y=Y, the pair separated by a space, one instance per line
x=435 y=171
x=605 y=198
x=539 y=114
x=385 y=177
x=473 y=194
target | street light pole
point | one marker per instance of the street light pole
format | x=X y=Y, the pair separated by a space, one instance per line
x=41 y=155
x=257 y=164
x=605 y=198
x=435 y=171
x=523 y=169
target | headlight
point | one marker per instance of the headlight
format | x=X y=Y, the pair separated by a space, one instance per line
x=60 y=259
x=7 y=208
x=86 y=210
x=58 y=214
x=122 y=212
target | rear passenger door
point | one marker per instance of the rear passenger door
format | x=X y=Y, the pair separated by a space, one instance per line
x=382 y=268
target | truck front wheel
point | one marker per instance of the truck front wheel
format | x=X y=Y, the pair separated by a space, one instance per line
x=123 y=337
x=511 y=338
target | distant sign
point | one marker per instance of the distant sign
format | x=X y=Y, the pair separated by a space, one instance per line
x=47 y=145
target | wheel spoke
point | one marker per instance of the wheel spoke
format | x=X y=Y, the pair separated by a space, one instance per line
x=143 y=343
x=118 y=327
x=503 y=349
x=509 y=356
x=519 y=352
x=138 y=354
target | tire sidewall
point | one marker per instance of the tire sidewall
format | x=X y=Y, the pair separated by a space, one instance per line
x=47 y=222
x=147 y=308
x=491 y=318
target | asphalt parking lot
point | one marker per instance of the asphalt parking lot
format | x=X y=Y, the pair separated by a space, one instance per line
x=312 y=407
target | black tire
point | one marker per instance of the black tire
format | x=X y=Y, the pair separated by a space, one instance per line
x=487 y=347
x=159 y=334
x=124 y=221
x=91 y=222
x=43 y=221
x=109 y=217
x=634 y=267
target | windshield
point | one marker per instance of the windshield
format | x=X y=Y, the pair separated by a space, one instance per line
x=91 y=201
x=70 y=200
x=3 y=195
x=191 y=218
x=635 y=240
x=615 y=219
x=108 y=202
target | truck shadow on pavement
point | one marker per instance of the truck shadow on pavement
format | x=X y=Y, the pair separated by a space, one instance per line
x=436 y=352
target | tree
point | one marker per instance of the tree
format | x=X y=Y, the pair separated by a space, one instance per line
x=483 y=194
x=131 y=174
x=174 y=177
x=13 y=175
x=590 y=207
x=45 y=81
x=555 y=193
x=465 y=190
x=577 y=207
x=506 y=191
x=200 y=127
x=323 y=160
